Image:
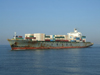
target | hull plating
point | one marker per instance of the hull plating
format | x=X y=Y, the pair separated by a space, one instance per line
x=28 y=48
x=26 y=44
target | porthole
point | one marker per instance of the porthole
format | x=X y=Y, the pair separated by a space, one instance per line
x=71 y=44
x=57 y=44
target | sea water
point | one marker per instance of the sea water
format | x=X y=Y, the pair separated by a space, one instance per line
x=78 y=61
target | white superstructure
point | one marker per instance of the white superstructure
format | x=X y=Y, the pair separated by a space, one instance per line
x=73 y=35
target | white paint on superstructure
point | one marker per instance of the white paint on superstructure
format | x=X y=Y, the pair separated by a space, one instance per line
x=73 y=35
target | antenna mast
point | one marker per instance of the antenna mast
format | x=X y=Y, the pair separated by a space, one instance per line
x=15 y=35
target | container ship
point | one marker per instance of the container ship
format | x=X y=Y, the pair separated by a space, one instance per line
x=43 y=41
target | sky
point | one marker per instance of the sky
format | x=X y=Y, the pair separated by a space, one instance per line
x=49 y=17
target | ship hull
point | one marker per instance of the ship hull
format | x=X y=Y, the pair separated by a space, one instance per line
x=28 y=45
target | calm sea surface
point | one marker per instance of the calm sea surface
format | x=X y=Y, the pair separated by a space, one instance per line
x=83 y=61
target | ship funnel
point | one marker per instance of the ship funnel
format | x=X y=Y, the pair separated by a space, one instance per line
x=75 y=30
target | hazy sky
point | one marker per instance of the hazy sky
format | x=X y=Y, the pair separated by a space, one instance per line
x=49 y=17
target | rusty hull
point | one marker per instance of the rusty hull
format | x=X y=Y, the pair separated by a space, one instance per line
x=28 y=44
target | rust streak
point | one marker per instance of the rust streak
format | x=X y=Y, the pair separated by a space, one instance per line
x=24 y=48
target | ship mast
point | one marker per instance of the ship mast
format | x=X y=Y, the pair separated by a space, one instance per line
x=15 y=36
